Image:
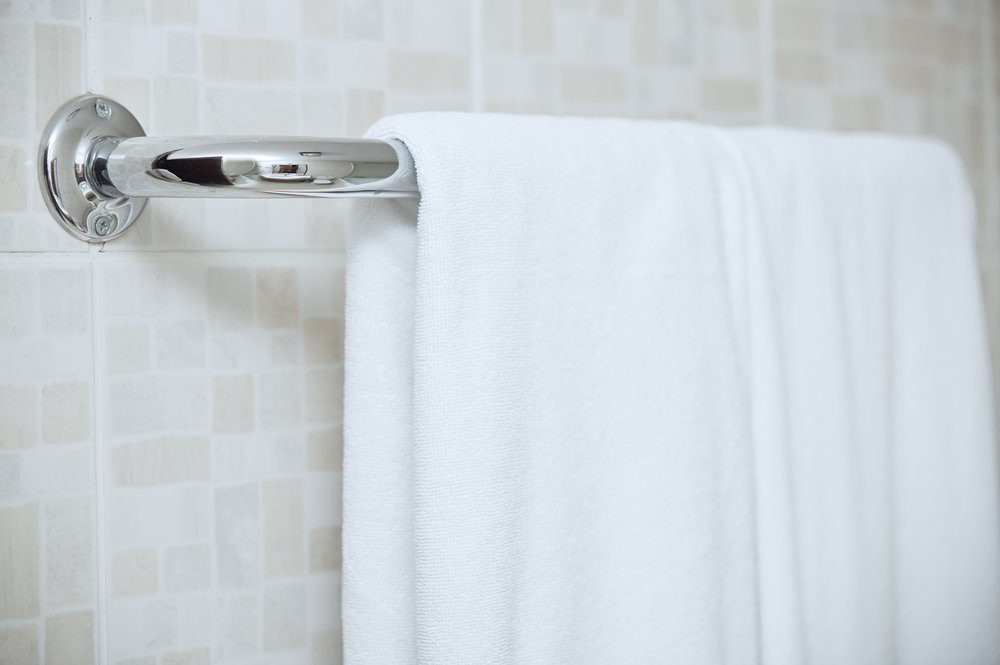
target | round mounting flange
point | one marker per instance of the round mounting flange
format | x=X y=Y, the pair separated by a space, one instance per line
x=73 y=152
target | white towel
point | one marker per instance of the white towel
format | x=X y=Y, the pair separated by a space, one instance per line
x=648 y=392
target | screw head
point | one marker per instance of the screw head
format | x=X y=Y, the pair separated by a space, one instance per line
x=104 y=225
x=103 y=108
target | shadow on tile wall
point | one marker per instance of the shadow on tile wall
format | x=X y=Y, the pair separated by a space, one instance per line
x=170 y=405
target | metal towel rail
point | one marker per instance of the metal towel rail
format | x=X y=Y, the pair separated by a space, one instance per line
x=97 y=167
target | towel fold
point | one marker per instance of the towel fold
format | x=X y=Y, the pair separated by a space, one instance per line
x=649 y=392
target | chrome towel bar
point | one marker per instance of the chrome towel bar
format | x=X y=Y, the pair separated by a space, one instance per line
x=96 y=167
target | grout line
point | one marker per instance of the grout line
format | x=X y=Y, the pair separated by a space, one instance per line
x=193 y=256
x=989 y=92
x=766 y=73
x=476 y=54
x=765 y=35
x=101 y=521
x=101 y=628
x=40 y=574
x=32 y=136
x=90 y=75
x=988 y=227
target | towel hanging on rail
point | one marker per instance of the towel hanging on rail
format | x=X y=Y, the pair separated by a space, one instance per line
x=635 y=392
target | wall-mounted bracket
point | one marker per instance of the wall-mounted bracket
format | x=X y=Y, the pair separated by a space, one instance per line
x=73 y=151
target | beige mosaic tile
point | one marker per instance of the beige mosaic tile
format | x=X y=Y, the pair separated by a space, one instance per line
x=69 y=639
x=238 y=627
x=327 y=648
x=175 y=12
x=18 y=416
x=918 y=65
x=324 y=549
x=283 y=606
x=284 y=543
x=326 y=449
x=207 y=455
x=58 y=68
x=19 y=598
x=135 y=572
x=201 y=656
x=19 y=644
x=141 y=404
x=66 y=412
x=69 y=551
x=915 y=68
x=41 y=64
x=188 y=568
x=13 y=194
x=645 y=58
x=174 y=459
x=15 y=66
x=233 y=403
x=46 y=469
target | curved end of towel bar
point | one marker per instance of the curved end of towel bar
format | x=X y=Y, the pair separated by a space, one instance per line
x=97 y=167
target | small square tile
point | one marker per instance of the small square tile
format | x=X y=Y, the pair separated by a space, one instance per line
x=19 y=644
x=180 y=344
x=277 y=297
x=69 y=547
x=66 y=414
x=184 y=12
x=284 y=607
x=237 y=536
x=64 y=295
x=15 y=70
x=233 y=403
x=279 y=399
x=199 y=656
x=325 y=549
x=326 y=449
x=58 y=68
x=134 y=572
x=323 y=340
x=18 y=416
x=238 y=621
x=282 y=508
x=126 y=347
x=230 y=297
x=19 y=561
x=10 y=475
x=188 y=568
x=13 y=181
x=161 y=461
x=324 y=395
x=69 y=639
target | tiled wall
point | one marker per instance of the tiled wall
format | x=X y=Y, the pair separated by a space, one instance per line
x=170 y=403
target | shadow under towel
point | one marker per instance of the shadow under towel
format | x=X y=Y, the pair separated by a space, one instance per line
x=653 y=392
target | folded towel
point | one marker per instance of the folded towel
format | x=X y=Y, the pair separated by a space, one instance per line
x=648 y=392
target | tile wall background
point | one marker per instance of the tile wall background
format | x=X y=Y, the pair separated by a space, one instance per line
x=170 y=404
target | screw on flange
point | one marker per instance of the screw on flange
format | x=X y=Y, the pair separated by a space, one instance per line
x=104 y=225
x=103 y=108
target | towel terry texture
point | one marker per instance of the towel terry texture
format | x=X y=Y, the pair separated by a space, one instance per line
x=654 y=392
